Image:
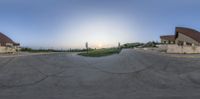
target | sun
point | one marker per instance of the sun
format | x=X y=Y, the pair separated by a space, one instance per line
x=99 y=45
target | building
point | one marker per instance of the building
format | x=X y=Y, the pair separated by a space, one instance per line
x=167 y=39
x=185 y=40
x=183 y=36
x=187 y=36
x=7 y=45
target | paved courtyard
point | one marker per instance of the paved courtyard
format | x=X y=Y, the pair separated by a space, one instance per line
x=131 y=74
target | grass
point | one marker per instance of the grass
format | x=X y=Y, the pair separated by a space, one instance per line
x=40 y=50
x=101 y=52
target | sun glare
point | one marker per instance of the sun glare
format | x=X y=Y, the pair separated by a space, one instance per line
x=106 y=30
x=99 y=45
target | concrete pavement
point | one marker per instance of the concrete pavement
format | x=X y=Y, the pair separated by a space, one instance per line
x=129 y=75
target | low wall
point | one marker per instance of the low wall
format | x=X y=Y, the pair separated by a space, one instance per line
x=162 y=48
x=183 y=49
x=7 y=50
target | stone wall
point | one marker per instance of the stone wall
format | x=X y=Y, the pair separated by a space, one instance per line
x=184 y=38
x=183 y=49
x=162 y=47
x=163 y=41
x=7 y=50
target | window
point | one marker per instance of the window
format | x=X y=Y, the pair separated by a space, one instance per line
x=180 y=43
x=9 y=44
x=190 y=44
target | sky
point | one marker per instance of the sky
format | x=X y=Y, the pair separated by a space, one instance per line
x=64 y=24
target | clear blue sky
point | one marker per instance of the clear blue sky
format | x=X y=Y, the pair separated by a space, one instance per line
x=102 y=23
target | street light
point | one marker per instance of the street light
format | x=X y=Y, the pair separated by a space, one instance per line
x=86 y=45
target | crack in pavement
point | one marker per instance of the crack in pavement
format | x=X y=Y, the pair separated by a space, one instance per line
x=7 y=62
x=6 y=86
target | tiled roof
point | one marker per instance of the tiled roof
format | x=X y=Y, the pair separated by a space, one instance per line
x=168 y=37
x=4 y=39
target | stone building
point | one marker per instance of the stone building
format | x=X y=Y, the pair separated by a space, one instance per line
x=167 y=39
x=183 y=36
x=187 y=36
x=7 y=45
x=186 y=40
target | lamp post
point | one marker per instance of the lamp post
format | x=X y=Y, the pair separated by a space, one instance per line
x=86 y=45
x=119 y=45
